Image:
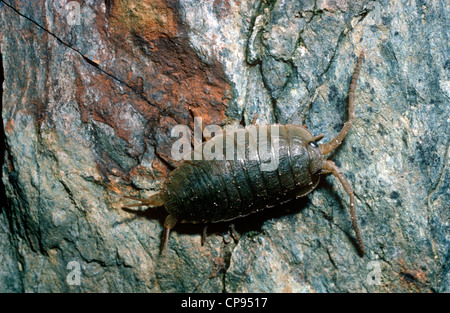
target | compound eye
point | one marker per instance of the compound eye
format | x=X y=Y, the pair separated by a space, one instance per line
x=313 y=144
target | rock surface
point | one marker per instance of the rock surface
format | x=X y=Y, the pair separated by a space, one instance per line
x=91 y=92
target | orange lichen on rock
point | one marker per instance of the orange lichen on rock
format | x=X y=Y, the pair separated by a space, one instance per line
x=151 y=75
x=150 y=19
x=177 y=78
x=415 y=280
x=9 y=127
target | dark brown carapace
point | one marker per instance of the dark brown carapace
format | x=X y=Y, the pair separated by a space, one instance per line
x=208 y=191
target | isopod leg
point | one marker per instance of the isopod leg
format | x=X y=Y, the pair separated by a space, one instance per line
x=329 y=166
x=234 y=233
x=254 y=119
x=168 y=160
x=202 y=126
x=335 y=142
x=154 y=201
x=205 y=228
x=169 y=223
x=318 y=137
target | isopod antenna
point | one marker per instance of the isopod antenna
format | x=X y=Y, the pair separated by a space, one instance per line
x=335 y=142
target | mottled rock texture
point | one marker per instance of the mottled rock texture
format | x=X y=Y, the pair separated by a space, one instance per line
x=89 y=99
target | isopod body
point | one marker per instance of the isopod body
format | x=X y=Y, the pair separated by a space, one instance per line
x=224 y=189
x=253 y=168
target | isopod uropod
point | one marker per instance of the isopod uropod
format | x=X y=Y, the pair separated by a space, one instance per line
x=208 y=191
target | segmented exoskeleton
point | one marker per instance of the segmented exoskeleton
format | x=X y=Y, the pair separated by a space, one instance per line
x=208 y=191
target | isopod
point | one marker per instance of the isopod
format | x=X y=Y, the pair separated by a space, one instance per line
x=209 y=191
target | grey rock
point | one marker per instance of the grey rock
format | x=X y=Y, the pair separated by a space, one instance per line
x=87 y=109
